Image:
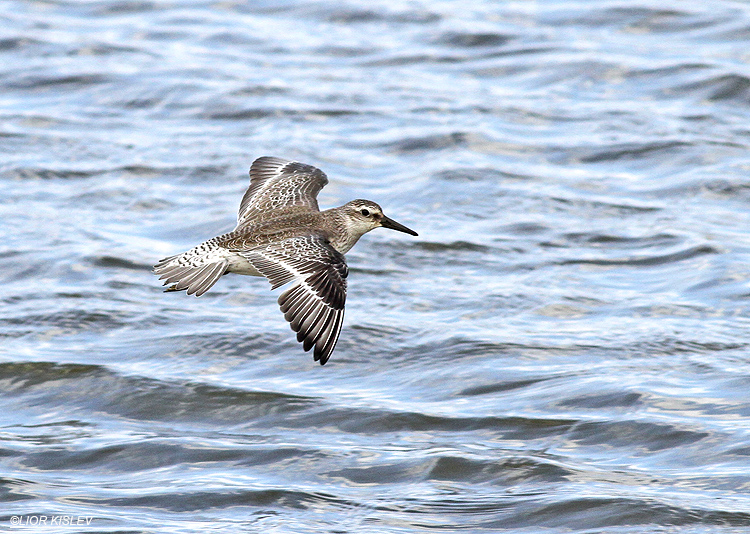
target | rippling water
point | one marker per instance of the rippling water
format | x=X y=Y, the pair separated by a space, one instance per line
x=565 y=348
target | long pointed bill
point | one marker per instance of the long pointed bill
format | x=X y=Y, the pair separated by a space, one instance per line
x=387 y=222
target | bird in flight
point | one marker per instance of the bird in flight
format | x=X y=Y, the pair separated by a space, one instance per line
x=281 y=234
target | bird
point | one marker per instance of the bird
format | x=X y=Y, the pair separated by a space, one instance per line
x=282 y=235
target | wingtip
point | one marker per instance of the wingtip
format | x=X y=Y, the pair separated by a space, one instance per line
x=320 y=356
x=265 y=161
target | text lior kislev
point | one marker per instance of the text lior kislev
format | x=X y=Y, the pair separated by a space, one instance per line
x=50 y=520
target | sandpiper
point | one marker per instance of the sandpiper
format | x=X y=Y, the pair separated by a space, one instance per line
x=282 y=234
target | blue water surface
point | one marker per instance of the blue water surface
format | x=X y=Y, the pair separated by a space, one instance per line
x=564 y=348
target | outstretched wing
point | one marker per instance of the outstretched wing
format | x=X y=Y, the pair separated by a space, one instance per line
x=314 y=305
x=278 y=183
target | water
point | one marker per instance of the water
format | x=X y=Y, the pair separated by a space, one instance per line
x=564 y=348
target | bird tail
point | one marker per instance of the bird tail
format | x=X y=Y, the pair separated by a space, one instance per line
x=193 y=270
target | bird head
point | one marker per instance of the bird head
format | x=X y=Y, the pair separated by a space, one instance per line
x=366 y=215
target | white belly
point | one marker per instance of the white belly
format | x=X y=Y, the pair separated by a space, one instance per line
x=239 y=265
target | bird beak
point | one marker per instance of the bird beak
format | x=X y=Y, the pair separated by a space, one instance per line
x=387 y=222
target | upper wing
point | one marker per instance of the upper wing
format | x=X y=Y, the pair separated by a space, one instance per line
x=314 y=305
x=279 y=183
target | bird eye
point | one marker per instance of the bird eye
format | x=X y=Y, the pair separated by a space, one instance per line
x=365 y=212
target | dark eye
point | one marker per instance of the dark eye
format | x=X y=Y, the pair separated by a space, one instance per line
x=365 y=212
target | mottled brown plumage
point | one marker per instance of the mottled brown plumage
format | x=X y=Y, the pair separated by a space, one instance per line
x=281 y=234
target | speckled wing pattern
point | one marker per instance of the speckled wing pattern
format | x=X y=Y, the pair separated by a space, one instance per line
x=277 y=183
x=196 y=270
x=314 y=305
